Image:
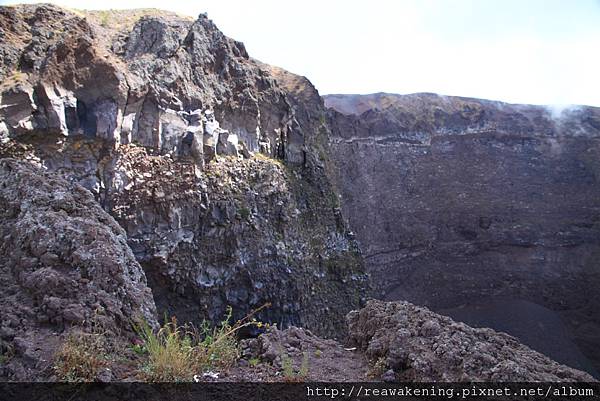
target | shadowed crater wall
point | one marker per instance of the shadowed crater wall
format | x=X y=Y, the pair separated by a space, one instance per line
x=455 y=201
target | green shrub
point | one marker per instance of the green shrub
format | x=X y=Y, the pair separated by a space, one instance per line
x=177 y=353
x=171 y=353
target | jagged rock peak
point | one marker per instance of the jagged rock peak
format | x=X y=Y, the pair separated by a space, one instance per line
x=138 y=77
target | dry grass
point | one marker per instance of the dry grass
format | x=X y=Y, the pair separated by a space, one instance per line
x=6 y=352
x=262 y=156
x=14 y=78
x=80 y=358
x=125 y=19
x=171 y=353
x=377 y=368
x=178 y=352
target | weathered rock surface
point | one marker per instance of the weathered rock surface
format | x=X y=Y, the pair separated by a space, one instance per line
x=397 y=341
x=160 y=118
x=64 y=262
x=455 y=201
x=419 y=345
x=63 y=74
x=535 y=326
x=244 y=233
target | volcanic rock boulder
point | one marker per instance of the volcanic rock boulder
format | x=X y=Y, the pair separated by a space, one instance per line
x=64 y=263
x=419 y=345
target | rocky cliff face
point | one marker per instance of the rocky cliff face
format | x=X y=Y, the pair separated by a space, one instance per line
x=455 y=201
x=244 y=233
x=64 y=74
x=161 y=117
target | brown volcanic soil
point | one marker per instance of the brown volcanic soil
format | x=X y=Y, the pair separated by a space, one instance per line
x=324 y=360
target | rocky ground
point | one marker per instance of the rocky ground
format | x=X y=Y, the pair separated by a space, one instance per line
x=411 y=343
x=398 y=341
x=65 y=264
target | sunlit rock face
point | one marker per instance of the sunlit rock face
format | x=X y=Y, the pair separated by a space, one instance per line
x=458 y=200
x=162 y=118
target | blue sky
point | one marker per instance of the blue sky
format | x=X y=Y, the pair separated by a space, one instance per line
x=527 y=51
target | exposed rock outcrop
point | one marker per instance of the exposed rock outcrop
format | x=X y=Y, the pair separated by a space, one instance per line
x=161 y=117
x=65 y=75
x=65 y=262
x=398 y=341
x=419 y=345
x=455 y=201
x=244 y=233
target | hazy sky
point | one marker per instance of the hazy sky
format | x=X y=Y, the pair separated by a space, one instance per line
x=525 y=51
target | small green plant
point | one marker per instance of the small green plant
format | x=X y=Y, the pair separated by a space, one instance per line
x=171 y=355
x=104 y=18
x=219 y=344
x=139 y=349
x=6 y=352
x=303 y=372
x=254 y=362
x=287 y=366
x=318 y=353
x=244 y=213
